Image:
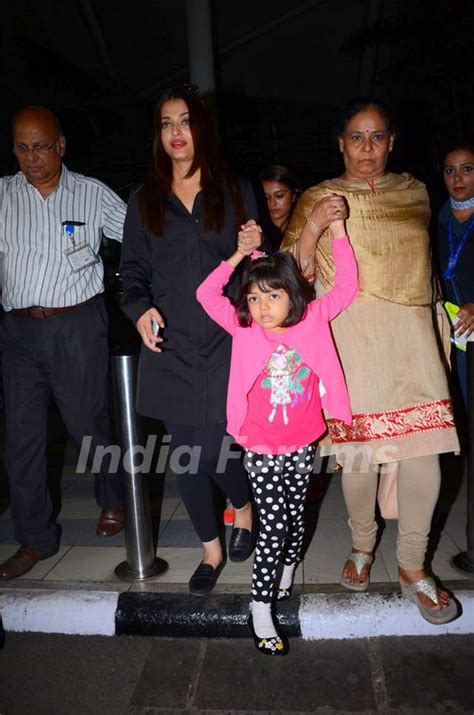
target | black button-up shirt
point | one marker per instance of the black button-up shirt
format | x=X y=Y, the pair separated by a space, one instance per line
x=187 y=382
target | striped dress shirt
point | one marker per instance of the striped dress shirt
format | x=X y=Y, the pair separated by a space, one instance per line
x=33 y=239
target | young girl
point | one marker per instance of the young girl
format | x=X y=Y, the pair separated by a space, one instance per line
x=283 y=360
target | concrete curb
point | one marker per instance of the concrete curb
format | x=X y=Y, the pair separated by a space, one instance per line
x=84 y=613
x=309 y=616
x=367 y=615
x=181 y=615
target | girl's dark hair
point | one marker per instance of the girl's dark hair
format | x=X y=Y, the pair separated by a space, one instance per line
x=215 y=177
x=279 y=270
x=359 y=104
x=283 y=175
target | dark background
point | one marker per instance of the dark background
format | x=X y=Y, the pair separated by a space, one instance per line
x=283 y=69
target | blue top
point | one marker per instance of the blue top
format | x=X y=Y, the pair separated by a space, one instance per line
x=460 y=288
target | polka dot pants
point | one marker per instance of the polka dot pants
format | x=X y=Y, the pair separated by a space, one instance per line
x=279 y=484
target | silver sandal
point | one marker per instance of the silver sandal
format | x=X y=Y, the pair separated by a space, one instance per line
x=359 y=560
x=428 y=587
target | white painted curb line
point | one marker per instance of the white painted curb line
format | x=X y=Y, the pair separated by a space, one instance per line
x=368 y=615
x=321 y=616
x=83 y=613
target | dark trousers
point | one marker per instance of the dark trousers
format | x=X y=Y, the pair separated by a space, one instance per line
x=195 y=483
x=64 y=356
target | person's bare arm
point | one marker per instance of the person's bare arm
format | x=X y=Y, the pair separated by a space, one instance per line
x=329 y=209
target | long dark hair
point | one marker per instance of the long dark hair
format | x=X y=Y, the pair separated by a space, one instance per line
x=215 y=176
x=279 y=271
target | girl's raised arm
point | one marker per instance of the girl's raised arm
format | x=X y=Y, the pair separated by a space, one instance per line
x=346 y=285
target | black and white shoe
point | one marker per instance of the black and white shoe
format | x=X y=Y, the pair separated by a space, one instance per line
x=269 y=646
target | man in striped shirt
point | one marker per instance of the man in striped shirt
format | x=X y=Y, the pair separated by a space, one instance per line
x=54 y=332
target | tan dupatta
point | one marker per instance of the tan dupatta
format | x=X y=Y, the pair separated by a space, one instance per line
x=388 y=230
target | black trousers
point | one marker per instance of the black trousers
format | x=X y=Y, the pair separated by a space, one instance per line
x=197 y=458
x=64 y=356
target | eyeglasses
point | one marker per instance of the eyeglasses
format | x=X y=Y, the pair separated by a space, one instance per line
x=43 y=148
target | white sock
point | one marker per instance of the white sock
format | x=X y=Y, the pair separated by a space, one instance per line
x=262 y=619
x=287 y=576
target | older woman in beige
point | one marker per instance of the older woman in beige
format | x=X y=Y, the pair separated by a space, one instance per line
x=402 y=413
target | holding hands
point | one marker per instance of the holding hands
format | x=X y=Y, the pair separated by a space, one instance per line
x=249 y=237
x=330 y=211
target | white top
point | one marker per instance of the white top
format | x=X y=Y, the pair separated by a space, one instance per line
x=33 y=239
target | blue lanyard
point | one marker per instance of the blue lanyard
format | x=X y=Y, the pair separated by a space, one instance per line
x=456 y=247
x=69 y=229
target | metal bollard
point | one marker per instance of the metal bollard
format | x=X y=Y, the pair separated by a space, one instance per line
x=141 y=562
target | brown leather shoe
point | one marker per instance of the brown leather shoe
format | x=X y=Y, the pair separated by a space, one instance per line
x=110 y=522
x=21 y=562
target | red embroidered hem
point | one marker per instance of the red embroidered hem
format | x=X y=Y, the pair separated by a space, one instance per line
x=393 y=423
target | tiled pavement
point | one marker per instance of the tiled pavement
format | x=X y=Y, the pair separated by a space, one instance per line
x=86 y=561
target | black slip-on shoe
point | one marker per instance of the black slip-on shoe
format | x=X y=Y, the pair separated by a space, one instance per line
x=242 y=541
x=204 y=578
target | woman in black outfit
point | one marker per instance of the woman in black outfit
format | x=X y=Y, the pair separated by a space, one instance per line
x=180 y=224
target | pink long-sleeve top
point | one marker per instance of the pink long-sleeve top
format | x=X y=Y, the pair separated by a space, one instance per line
x=311 y=339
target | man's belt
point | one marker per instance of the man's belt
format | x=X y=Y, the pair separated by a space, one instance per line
x=36 y=311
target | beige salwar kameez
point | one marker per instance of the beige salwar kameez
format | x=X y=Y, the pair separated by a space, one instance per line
x=388 y=340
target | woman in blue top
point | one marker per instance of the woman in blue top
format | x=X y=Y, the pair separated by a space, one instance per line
x=456 y=246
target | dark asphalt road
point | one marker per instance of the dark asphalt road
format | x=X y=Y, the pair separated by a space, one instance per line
x=69 y=675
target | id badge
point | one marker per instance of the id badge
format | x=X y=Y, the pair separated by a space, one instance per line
x=80 y=257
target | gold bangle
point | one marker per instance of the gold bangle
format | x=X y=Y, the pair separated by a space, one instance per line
x=317 y=229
